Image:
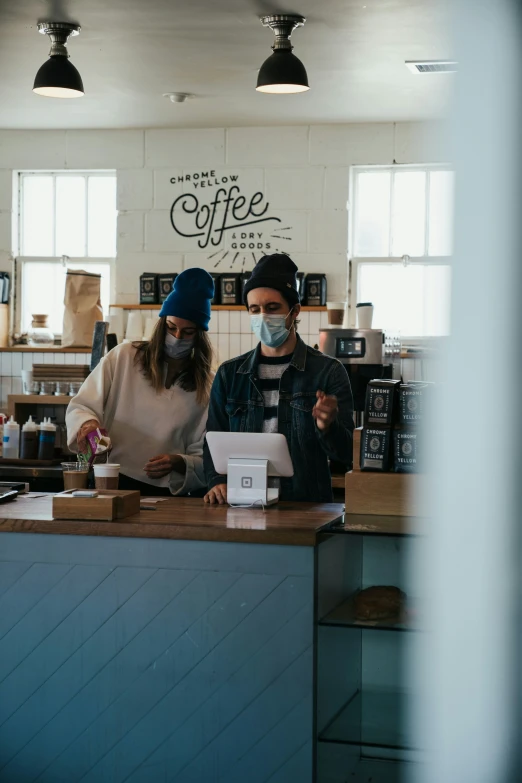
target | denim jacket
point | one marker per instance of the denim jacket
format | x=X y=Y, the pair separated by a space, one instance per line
x=237 y=405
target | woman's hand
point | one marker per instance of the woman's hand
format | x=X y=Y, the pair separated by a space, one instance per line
x=217 y=494
x=162 y=465
x=88 y=426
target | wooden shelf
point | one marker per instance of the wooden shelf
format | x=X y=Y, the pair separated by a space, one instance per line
x=34 y=349
x=344 y=615
x=304 y=308
x=37 y=399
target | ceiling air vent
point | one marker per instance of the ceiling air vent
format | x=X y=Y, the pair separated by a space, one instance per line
x=431 y=66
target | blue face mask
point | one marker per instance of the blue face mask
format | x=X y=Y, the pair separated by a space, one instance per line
x=270 y=329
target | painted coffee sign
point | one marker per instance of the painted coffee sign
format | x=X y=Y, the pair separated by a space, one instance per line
x=226 y=213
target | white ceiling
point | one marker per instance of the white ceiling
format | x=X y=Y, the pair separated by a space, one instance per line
x=130 y=52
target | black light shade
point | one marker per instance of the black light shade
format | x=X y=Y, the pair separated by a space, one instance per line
x=58 y=78
x=282 y=72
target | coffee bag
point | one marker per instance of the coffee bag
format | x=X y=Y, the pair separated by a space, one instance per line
x=376 y=445
x=382 y=402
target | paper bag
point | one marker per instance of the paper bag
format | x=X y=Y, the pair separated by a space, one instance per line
x=82 y=308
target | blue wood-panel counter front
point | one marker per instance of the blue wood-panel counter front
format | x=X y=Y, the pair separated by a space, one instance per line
x=155 y=661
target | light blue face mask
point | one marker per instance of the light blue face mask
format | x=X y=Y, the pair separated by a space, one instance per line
x=270 y=329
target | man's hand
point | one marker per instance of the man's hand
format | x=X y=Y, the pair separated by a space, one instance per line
x=163 y=464
x=217 y=494
x=325 y=410
x=87 y=426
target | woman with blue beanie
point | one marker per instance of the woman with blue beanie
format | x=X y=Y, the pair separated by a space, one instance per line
x=152 y=397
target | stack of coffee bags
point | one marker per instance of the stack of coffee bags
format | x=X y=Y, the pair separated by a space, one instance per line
x=407 y=446
x=380 y=415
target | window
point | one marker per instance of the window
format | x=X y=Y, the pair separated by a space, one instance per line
x=401 y=246
x=69 y=214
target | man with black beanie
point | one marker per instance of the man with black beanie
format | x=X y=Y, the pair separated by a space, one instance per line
x=283 y=386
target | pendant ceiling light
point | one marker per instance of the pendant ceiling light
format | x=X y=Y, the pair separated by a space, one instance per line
x=58 y=78
x=282 y=72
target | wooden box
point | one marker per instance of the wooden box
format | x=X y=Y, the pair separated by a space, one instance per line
x=385 y=494
x=357 y=433
x=110 y=504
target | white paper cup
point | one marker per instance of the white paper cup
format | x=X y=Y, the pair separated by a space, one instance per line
x=106 y=476
x=335 y=313
x=364 y=315
x=27 y=381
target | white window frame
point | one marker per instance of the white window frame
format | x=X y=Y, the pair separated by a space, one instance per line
x=354 y=261
x=84 y=261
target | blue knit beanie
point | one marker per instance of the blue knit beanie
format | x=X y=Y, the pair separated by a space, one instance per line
x=190 y=297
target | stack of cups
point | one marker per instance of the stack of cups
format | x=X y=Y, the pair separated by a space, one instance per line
x=134 y=326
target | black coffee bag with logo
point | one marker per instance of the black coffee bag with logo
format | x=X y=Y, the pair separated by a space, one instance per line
x=406 y=457
x=230 y=286
x=315 y=290
x=165 y=285
x=217 y=289
x=413 y=398
x=376 y=448
x=149 y=288
x=382 y=402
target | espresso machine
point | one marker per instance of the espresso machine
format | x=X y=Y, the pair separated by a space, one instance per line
x=361 y=351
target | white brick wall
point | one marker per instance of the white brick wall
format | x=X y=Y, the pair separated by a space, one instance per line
x=194 y=148
x=108 y=149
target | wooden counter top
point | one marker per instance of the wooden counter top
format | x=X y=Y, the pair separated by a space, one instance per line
x=294 y=524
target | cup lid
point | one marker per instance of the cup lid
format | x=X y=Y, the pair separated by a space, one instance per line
x=364 y=304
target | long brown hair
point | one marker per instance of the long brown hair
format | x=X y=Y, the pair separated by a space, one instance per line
x=196 y=376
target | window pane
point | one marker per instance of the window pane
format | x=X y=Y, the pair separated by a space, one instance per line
x=102 y=217
x=409 y=213
x=441 y=213
x=70 y=216
x=413 y=300
x=42 y=292
x=372 y=214
x=37 y=216
x=43 y=289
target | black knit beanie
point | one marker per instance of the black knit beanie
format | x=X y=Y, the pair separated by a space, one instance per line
x=277 y=271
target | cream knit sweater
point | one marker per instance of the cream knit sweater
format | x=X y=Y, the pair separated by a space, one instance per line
x=141 y=422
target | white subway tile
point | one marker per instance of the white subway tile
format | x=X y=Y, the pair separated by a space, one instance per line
x=305 y=337
x=304 y=322
x=81 y=358
x=7 y=365
x=27 y=361
x=281 y=146
x=134 y=189
x=59 y=358
x=130 y=232
x=315 y=325
x=235 y=322
x=105 y=149
x=213 y=325
x=16 y=364
x=297 y=188
x=48 y=358
x=336 y=187
x=165 y=148
x=245 y=342
x=32 y=149
x=234 y=345
x=422 y=142
x=245 y=322
x=223 y=347
x=328 y=231
x=7 y=388
x=324 y=320
x=350 y=144
x=87 y=358
x=224 y=321
x=17 y=386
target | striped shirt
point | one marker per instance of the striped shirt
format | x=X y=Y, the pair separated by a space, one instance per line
x=270 y=370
